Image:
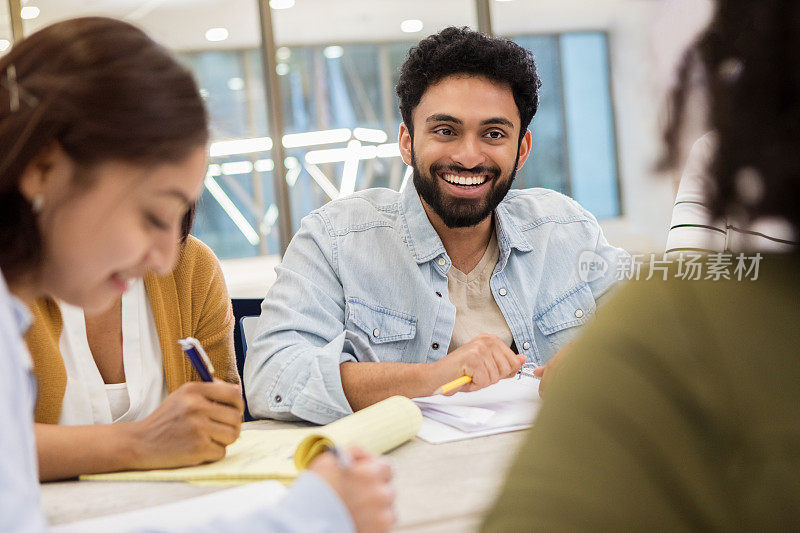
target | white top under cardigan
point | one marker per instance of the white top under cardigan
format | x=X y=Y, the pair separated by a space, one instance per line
x=87 y=399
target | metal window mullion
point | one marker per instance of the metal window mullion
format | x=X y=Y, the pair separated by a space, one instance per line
x=484 y=14
x=255 y=176
x=275 y=112
x=15 y=12
x=614 y=134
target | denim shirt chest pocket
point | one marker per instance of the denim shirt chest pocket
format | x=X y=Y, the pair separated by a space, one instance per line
x=559 y=322
x=386 y=331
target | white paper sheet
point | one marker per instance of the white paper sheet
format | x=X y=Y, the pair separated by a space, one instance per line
x=508 y=405
x=184 y=515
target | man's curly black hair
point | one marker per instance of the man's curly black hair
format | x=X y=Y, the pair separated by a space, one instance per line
x=455 y=51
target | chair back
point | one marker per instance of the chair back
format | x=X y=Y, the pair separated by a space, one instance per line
x=250 y=308
x=248 y=327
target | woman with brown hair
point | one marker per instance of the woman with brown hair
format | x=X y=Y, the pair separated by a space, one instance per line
x=108 y=379
x=104 y=141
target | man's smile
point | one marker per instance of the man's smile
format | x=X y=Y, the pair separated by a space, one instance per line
x=468 y=180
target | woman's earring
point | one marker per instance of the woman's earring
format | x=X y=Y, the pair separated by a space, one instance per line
x=37 y=203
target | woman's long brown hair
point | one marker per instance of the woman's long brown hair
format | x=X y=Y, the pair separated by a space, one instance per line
x=104 y=91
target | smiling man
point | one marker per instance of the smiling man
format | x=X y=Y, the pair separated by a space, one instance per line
x=383 y=293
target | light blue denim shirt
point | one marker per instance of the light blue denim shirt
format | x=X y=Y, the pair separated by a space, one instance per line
x=19 y=477
x=365 y=279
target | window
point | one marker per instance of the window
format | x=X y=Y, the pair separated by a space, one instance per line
x=337 y=66
x=5 y=30
x=574 y=148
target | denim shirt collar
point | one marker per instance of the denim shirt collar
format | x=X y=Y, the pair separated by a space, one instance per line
x=508 y=235
x=425 y=243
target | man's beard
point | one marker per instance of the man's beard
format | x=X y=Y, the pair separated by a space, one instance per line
x=461 y=212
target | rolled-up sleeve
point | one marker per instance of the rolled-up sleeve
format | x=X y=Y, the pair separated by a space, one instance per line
x=292 y=366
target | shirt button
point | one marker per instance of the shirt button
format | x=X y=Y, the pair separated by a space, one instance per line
x=435 y=345
x=442 y=262
x=526 y=345
x=439 y=294
x=376 y=332
x=578 y=313
x=503 y=292
x=278 y=399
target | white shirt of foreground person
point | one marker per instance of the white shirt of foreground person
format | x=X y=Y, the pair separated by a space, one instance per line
x=310 y=506
x=692 y=228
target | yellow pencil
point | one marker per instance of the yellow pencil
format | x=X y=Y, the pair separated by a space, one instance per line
x=463 y=380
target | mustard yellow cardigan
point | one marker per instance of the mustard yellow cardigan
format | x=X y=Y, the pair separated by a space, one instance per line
x=189 y=301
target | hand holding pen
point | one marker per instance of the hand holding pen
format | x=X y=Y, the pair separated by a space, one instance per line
x=192 y=425
x=483 y=361
x=364 y=483
x=527 y=370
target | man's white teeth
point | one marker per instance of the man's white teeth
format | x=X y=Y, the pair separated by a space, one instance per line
x=461 y=180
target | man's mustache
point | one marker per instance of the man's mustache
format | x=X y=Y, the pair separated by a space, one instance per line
x=438 y=168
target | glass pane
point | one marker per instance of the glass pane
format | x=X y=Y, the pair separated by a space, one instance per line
x=574 y=139
x=5 y=30
x=339 y=105
x=219 y=41
x=547 y=164
x=341 y=119
x=590 y=127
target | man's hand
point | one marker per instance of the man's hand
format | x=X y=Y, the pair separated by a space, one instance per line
x=485 y=359
x=365 y=487
x=547 y=372
x=192 y=425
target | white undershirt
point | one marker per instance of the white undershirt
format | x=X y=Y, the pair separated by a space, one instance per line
x=119 y=401
x=87 y=399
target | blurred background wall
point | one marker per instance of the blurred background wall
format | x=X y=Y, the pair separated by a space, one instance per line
x=319 y=75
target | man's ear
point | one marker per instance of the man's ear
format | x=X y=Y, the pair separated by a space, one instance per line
x=524 y=149
x=404 y=141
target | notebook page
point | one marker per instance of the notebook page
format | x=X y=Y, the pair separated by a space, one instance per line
x=273 y=454
x=506 y=390
x=435 y=432
x=256 y=455
x=513 y=404
x=461 y=416
x=377 y=428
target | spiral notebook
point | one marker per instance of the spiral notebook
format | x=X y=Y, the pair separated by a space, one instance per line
x=280 y=454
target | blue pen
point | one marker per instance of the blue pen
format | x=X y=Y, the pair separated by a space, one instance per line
x=198 y=357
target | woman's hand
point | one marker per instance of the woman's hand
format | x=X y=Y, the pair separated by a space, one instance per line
x=365 y=487
x=192 y=425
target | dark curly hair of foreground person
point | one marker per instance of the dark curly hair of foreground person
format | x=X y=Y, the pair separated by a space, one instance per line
x=749 y=59
x=456 y=51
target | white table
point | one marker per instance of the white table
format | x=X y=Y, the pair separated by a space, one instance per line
x=442 y=487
